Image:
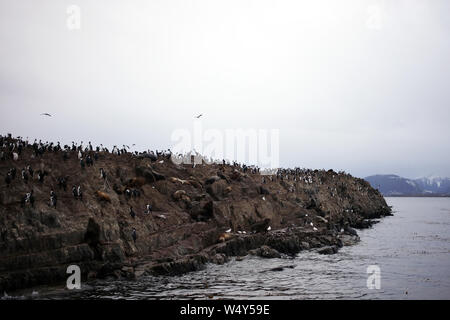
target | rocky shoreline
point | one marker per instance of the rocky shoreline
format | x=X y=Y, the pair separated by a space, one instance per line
x=192 y=210
x=277 y=244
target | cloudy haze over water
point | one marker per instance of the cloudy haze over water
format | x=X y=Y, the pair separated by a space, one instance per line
x=357 y=85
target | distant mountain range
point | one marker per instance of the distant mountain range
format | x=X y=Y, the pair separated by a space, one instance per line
x=393 y=185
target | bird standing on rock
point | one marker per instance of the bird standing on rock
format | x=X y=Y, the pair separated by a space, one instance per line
x=30 y=171
x=79 y=193
x=102 y=174
x=148 y=209
x=53 y=199
x=24 y=176
x=132 y=213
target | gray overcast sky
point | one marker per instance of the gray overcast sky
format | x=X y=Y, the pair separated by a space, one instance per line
x=358 y=85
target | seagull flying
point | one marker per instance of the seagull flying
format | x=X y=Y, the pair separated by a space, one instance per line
x=46 y=114
x=199 y=116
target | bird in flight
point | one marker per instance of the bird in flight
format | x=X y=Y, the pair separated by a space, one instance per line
x=199 y=116
x=46 y=114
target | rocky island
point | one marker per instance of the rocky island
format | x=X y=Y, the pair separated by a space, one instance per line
x=124 y=214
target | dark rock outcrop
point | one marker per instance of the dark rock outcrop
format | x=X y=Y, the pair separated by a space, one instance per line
x=328 y=250
x=187 y=218
x=265 y=252
x=260 y=226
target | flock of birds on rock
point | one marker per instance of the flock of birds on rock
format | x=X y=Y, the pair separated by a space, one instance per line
x=88 y=154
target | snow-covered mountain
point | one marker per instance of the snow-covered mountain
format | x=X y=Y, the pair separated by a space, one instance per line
x=434 y=184
x=391 y=185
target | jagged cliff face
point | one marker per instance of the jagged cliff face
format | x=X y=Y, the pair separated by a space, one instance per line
x=191 y=209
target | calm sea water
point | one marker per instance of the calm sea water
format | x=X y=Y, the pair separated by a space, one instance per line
x=412 y=250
